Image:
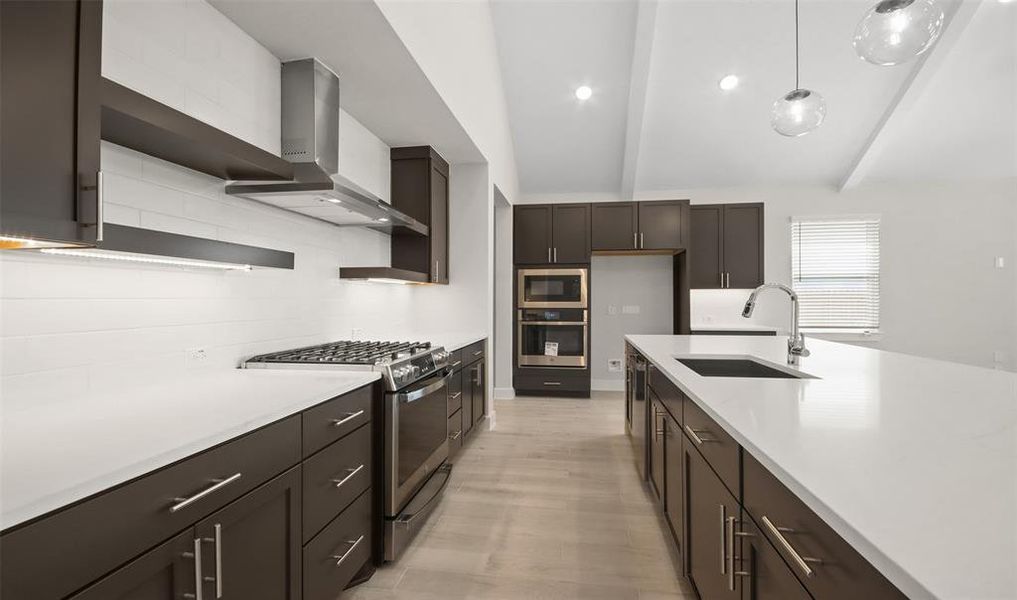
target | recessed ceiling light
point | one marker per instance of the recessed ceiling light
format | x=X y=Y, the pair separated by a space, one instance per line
x=728 y=82
x=584 y=92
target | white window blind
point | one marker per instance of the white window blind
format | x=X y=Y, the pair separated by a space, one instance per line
x=835 y=271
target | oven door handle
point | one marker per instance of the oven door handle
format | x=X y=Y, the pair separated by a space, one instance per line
x=417 y=394
x=553 y=323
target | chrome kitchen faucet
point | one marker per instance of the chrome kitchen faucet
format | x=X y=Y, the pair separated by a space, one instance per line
x=796 y=341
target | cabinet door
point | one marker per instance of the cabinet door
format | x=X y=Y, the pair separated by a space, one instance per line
x=709 y=508
x=50 y=63
x=673 y=492
x=614 y=226
x=743 y=245
x=479 y=392
x=164 y=573
x=571 y=233
x=656 y=446
x=706 y=250
x=252 y=549
x=438 y=232
x=531 y=227
x=467 y=409
x=762 y=572
x=660 y=225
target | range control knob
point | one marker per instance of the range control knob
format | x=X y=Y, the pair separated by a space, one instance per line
x=415 y=371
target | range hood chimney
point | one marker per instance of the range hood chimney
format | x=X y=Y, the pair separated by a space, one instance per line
x=310 y=140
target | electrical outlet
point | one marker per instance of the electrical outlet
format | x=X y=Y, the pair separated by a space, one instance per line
x=196 y=356
x=1000 y=357
x=612 y=309
x=630 y=309
x=614 y=364
x=1000 y=262
x=356 y=333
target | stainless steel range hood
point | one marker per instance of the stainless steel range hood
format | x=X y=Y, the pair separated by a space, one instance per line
x=310 y=140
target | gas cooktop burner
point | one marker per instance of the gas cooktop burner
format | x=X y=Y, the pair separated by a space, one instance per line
x=401 y=363
x=347 y=353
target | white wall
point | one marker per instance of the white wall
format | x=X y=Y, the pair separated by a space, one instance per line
x=69 y=325
x=642 y=283
x=503 y=270
x=940 y=293
x=454 y=44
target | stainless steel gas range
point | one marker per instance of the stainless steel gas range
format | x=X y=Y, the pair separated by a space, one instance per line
x=416 y=437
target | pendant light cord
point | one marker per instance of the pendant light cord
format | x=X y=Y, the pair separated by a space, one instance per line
x=796 y=45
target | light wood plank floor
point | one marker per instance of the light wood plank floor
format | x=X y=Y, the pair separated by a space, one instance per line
x=547 y=506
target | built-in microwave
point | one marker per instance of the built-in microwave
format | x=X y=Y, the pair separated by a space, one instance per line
x=552 y=337
x=552 y=288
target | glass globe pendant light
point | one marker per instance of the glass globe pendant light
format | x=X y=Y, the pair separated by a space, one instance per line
x=801 y=110
x=896 y=31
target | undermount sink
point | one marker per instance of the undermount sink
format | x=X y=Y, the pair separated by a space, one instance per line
x=738 y=367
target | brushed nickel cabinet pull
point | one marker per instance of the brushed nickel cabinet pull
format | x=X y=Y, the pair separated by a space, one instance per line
x=556 y=254
x=456 y=395
x=198 y=579
x=730 y=553
x=218 y=560
x=635 y=243
x=455 y=436
x=802 y=562
x=347 y=418
x=478 y=353
x=723 y=539
x=552 y=383
x=218 y=484
x=548 y=254
x=349 y=475
x=694 y=434
x=641 y=246
x=339 y=558
x=99 y=212
x=456 y=363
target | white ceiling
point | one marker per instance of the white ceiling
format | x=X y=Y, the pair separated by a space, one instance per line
x=547 y=50
x=380 y=82
x=684 y=132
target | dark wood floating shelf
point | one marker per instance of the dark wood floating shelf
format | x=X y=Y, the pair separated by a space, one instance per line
x=122 y=238
x=140 y=123
x=383 y=273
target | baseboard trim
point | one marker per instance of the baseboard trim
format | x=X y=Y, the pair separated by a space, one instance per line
x=504 y=393
x=607 y=385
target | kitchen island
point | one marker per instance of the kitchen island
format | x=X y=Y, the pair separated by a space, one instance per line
x=911 y=461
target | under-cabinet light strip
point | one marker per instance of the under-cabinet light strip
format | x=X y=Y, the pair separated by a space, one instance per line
x=105 y=255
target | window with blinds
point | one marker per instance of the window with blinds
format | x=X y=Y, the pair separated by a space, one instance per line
x=835 y=271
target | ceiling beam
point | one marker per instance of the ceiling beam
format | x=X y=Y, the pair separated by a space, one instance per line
x=642 y=51
x=910 y=91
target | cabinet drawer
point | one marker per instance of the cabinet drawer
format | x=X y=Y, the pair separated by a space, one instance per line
x=539 y=381
x=336 y=554
x=670 y=396
x=719 y=449
x=334 y=477
x=330 y=421
x=455 y=359
x=843 y=574
x=97 y=535
x=473 y=352
x=455 y=392
x=455 y=433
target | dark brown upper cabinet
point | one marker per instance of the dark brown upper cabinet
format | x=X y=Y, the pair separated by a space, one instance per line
x=727 y=246
x=639 y=226
x=420 y=189
x=551 y=233
x=50 y=106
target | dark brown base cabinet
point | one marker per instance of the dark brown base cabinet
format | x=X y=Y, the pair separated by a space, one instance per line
x=467 y=394
x=230 y=522
x=740 y=534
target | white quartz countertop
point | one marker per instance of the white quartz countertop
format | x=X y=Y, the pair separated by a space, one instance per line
x=454 y=341
x=912 y=461
x=56 y=451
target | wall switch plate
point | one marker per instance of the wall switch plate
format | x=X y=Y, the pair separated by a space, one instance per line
x=630 y=309
x=612 y=309
x=999 y=357
x=1000 y=262
x=614 y=364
